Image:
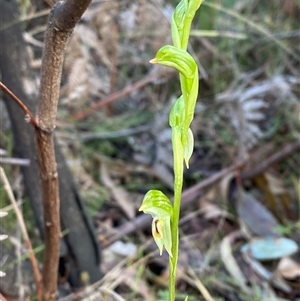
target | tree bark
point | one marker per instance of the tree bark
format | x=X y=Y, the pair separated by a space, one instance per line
x=82 y=245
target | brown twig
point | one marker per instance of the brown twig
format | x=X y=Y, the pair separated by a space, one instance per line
x=62 y=20
x=275 y=158
x=28 y=116
x=19 y=215
x=117 y=95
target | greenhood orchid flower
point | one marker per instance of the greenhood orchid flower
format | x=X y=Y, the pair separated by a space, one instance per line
x=159 y=206
x=165 y=215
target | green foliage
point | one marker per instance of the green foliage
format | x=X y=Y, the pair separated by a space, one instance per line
x=289 y=228
x=95 y=198
x=206 y=18
x=24 y=5
x=166 y=216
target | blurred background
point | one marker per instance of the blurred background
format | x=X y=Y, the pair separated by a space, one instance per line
x=240 y=231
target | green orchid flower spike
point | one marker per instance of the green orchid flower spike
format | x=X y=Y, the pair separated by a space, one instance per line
x=184 y=63
x=165 y=216
x=159 y=206
x=176 y=121
x=182 y=20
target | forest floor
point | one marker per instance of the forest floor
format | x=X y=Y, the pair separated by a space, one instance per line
x=240 y=219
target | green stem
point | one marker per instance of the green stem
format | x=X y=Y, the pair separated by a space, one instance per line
x=186 y=33
x=180 y=118
x=175 y=244
x=178 y=182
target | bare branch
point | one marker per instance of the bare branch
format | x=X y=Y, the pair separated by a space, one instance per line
x=62 y=20
x=28 y=116
x=67 y=13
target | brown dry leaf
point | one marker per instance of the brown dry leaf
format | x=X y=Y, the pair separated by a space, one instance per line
x=289 y=269
x=275 y=193
x=230 y=262
x=258 y=219
x=275 y=184
x=262 y=183
x=296 y=183
x=211 y=211
x=265 y=274
x=119 y=193
x=208 y=208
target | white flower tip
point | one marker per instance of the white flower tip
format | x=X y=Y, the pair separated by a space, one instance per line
x=3 y=213
x=187 y=163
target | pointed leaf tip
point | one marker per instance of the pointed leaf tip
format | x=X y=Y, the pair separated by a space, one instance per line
x=153 y=61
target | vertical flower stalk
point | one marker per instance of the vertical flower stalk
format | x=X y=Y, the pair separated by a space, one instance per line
x=165 y=215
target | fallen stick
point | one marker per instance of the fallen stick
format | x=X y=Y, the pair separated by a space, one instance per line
x=119 y=94
x=189 y=195
x=273 y=159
